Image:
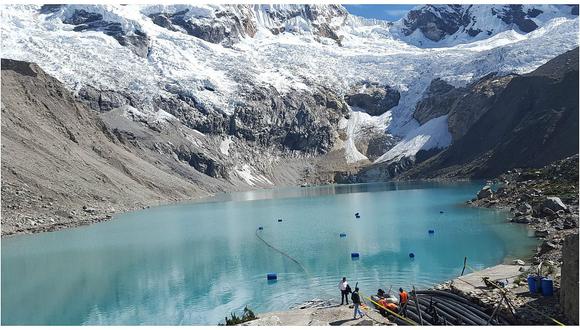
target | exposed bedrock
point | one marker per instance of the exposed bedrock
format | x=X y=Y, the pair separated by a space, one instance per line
x=464 y=105
x=374 y=98
x=569 y=282
x=437 y=22
x=136 y=40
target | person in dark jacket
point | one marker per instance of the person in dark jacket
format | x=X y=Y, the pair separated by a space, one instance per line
x=356 y=302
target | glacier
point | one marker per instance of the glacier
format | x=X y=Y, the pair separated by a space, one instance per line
x=295 y=59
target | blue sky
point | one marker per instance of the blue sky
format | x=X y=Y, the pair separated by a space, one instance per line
x=384 y=12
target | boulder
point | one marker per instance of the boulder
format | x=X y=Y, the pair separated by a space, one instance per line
x=542 y=233
x=549 y=212
x=547 y=246
x=485 y=192
x=554 y=203
x=89 y=209
x=518 y=262
x=522 y=219
x=525 y=208
x=570 y=222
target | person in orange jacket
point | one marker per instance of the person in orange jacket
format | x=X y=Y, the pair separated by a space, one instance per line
x=403 y=297
x=388 y=305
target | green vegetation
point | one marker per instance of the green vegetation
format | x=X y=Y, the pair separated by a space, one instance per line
x=248 y=315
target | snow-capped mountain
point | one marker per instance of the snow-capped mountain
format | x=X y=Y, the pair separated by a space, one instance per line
x=285 y=75
x=438 y=25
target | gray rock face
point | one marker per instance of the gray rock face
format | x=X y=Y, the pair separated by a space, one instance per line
x=136 y=40
x=569 y=282
x=105 y=100
x=202 y=162
x=439 y=21
x=434 y=22
x=235 y=22
x=518 y=127
x=438 y=101
x=554 y=204
x=464 y=105
x=228 y=30
x=298 y=120
x=374 y=98
x=514 y=14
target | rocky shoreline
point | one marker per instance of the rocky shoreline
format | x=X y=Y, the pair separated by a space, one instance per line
x=546 y=200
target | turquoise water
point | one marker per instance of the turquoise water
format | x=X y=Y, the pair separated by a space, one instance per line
x=196 y=263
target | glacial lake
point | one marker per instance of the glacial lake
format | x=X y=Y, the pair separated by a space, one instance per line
x=196 y=263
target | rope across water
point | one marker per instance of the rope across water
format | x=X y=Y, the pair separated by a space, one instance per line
x=281 y=252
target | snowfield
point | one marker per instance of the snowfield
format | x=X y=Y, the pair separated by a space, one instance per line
x=371 y=50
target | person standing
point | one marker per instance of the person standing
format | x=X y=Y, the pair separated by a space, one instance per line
x=356 y=302
x=343 y=287
x=403 y=297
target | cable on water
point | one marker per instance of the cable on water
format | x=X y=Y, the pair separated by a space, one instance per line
x=281 y=252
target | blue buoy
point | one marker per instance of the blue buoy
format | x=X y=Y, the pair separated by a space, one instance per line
x=342 y=235
x=354 y=255
x=547 y=286
x=272 y=276
x=431 y=231
x=411 y=255
x=260 y=228
x=279 y=220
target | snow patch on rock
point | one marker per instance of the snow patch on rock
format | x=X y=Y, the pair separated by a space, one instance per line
x=245 y=173
x=433 y=134
x=225 y=146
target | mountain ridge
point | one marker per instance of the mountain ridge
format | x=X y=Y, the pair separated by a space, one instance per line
x=251 y=105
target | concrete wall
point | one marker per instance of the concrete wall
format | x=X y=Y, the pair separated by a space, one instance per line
x=569 y=285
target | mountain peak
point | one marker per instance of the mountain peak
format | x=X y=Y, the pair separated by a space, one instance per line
x=452 y=24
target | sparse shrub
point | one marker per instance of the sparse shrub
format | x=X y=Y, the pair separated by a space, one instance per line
x=248 y=315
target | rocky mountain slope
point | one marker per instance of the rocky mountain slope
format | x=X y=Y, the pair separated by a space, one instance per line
x=450 y=24
x=235 y=97
x=524 y=121
x=546 y=200
x=64 y=164
x=211 y=66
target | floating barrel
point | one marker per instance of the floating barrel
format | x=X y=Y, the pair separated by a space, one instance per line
x=354 y=255
x=260 y=228
x=547 y=286
x=272 y=276
x=431 y=231
x=411 y=255
x=342 y=235
x=279 y=220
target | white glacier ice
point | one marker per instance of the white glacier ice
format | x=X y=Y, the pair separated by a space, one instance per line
x=295 y=59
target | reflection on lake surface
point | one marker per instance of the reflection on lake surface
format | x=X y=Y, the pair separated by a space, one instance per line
x=195 y=263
